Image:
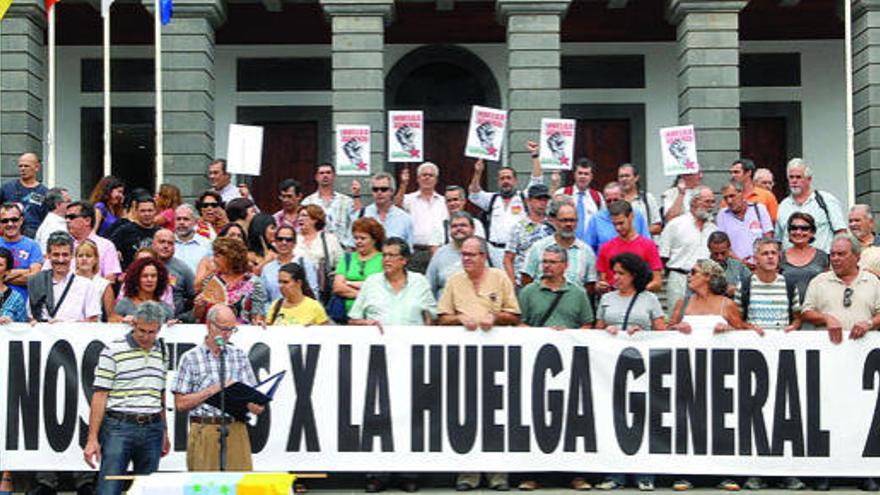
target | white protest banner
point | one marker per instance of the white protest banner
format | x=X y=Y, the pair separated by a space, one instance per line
x=353 y=150
x=486 y=133
x=678 y=146
x=244 y=149
x=406 y=136
x=557 y=144
x=511 y=399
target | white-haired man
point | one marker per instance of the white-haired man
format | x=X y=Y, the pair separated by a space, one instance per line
x=821 y=205
x=429 y=207
x=764 y=179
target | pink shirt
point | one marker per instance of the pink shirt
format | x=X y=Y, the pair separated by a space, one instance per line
x=108 y=257
x=640 y=246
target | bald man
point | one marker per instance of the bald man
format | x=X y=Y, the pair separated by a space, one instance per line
x=28 y=192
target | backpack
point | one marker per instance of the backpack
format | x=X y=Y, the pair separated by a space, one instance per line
x=486 y=215
x=746 y=296
x=824 y=206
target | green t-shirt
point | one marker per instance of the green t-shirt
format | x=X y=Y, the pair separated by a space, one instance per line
x=358 y=271
x=573 y=310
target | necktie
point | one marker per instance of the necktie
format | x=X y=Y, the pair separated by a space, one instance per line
x=582 y=215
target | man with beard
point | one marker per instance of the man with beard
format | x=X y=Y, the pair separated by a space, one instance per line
x=684 y=241
x=822 y=205
x=447 y=259
x=527 y=231
x=861 y=226
x=189 y=247
x=290 y=194
x=504 y=208
x=337 y=206
x=743 y=221
x=581 y=259
x=677 y=198
x=137 y=234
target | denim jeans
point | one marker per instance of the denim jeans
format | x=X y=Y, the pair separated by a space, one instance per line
x=123 y=442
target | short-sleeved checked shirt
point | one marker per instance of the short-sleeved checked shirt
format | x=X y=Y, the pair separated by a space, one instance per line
x=135 y=378
x=200 y=368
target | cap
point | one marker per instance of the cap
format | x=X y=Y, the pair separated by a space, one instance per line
x=539 y=191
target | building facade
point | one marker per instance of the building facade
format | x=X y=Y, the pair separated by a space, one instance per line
x=758 y=78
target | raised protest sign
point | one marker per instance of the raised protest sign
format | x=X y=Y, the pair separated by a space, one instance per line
x=244 y=150
x=512 y=399
x=353 y=150
x=557 y=144
x=486 y=133
x=406 y=136
x=678 y=146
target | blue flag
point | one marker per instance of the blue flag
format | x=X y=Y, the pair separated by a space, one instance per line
x=166 y=6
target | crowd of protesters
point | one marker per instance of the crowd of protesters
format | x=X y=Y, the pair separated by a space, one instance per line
x=574 y=256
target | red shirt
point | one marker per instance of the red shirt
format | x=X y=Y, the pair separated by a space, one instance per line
x=640 y=246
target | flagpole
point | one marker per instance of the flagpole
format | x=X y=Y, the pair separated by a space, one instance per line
x=107 y=122
x=50 y=135
x=160 y=171
x=850 y=133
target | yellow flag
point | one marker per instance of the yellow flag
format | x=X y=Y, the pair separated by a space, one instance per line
x=4 y=6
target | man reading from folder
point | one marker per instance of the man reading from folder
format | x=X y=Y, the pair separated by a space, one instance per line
x=198 y=379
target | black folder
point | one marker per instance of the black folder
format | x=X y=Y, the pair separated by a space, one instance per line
x=239 y=394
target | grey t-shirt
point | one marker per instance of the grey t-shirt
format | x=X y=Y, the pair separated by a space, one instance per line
x=612 y=309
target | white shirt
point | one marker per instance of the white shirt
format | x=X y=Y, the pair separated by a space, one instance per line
x=683 y=243
x=229 y=192
x=82 y=300
x=52 y=223
x=429 y=215
x=504 y=214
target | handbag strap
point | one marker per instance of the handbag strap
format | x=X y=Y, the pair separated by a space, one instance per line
x=54 y=310
x=552 y=307
x=632 y=302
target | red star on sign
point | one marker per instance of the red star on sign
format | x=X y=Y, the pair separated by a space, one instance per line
x=563 y=160
x=491 y=150
x=414 y=153
x=362 y=166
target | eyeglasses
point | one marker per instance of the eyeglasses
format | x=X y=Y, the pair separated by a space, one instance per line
x=10 y=220
x=381 y=189
x=285 y=239
x=847 y=297
x=231 y=329
x=802 y=228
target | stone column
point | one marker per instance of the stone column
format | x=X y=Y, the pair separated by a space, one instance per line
x=533 y=68
x=188 y=91
x=358 y=28
x=708 y=79
x=23 y=80
x=866 y=100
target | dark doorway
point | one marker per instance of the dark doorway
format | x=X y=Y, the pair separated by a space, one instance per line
x=290 y=150
x=606 y=143
x=763 y=139
x=133 y=147
x=444 y=82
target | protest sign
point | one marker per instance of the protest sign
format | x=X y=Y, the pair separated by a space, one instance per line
x=557 y=144
x=486 y=133
x=678 y=146
x=353 y=150
x=406 y=136
x=244 y=149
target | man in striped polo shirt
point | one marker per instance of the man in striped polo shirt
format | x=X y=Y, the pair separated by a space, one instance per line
x=127 y=420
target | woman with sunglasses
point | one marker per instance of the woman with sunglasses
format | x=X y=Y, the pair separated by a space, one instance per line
x=706 y=306
x=212 y=216
x=298 y=305
x=353 y=268
x=801 y=262
x=285 y=244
